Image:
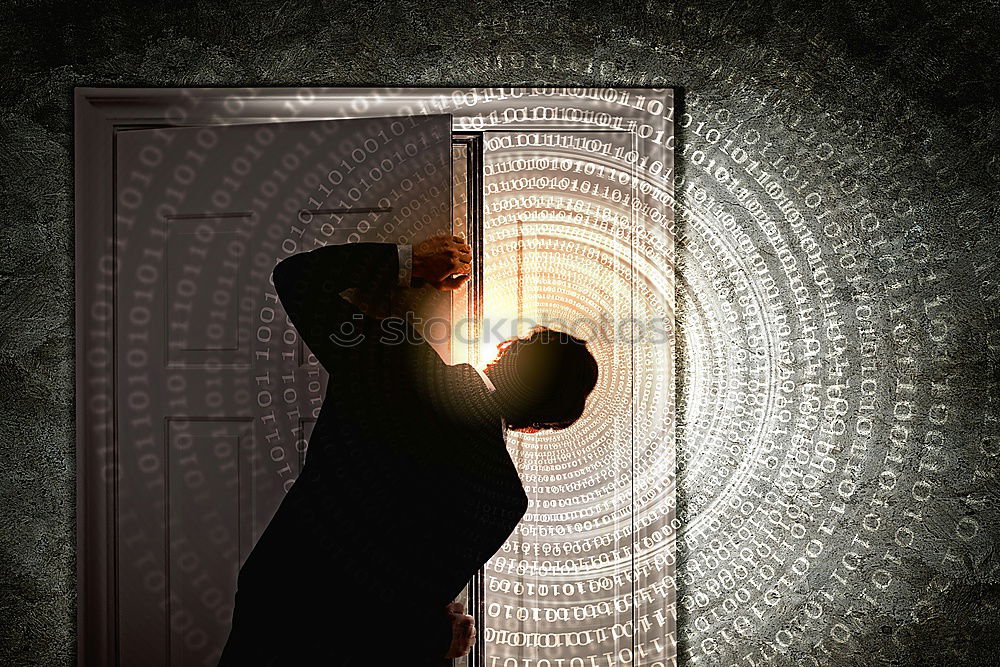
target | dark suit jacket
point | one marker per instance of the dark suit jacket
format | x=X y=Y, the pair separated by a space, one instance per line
x=407 y=488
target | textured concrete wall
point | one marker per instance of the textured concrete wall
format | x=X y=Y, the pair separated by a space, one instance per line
x=838 y=389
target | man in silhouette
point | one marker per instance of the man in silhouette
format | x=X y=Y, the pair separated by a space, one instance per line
x=407 y=489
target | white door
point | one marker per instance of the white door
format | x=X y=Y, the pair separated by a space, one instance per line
x=215 y=394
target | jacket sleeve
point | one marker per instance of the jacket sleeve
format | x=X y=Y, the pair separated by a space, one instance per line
x=429 y=638
x=442 y=638
x=309 y=284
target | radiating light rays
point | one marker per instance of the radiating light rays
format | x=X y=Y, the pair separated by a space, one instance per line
x=601 y=491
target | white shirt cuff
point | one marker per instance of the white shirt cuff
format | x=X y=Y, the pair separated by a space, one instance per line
x=405 y=251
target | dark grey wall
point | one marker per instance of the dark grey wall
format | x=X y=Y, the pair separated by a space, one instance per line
x=890 y=114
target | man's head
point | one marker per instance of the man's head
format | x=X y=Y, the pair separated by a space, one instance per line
x=542 y=380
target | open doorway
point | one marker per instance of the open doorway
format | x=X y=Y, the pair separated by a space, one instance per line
x=563 y=249
x=566 y=197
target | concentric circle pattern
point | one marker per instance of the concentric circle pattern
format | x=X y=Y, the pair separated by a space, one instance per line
x=588 y=573
x=836 y=447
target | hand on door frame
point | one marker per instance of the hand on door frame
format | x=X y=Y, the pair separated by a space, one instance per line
x=444 y=261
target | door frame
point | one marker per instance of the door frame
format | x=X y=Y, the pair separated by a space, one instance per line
x=99 y=113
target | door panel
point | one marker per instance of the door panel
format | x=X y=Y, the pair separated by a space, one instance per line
x=199 y=534
x=203 y=305
x=216 y=395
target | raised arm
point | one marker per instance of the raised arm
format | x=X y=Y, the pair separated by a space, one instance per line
x=309 y=286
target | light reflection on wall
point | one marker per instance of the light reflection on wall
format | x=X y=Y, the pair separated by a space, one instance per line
x=588 y=572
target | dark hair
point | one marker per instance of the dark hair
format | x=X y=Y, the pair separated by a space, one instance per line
x=544 y=378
